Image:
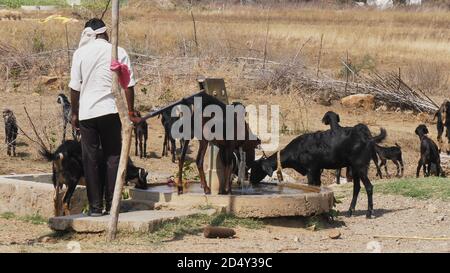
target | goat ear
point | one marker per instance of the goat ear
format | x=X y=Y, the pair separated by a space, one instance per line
x=425 y=130
x=326 y=120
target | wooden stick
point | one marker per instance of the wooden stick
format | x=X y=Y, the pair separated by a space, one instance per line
x=411 y=238
x=119 y=97
x=40 y=141
x=346 y=74
x=265 y=42
x=195 y=32
x=320 y=55
x=67 y=44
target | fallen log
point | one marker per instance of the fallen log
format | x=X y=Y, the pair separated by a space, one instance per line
x=218 y=232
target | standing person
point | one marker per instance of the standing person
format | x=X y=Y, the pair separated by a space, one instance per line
x=94 y=112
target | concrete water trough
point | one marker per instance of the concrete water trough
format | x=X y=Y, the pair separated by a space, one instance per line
x=29 y=194
x=259 y=201
x=33 y=194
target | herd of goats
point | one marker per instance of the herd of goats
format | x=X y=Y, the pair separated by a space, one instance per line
x=309 y=154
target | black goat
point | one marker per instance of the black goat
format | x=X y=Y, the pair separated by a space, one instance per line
x=331 y=118
x=169 y=143
x=443 y=122
x=393 y=153
x=67 y=168
x=11 y=131
x=429 y=153
x=141 y=136
x=66 y=115
x=308 y=154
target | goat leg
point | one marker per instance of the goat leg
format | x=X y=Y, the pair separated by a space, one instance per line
x=398 y=168
x=338 y=176
x=384 y=163
x=135 y=143
x=141 y=148
x=203 y=147
x=402 y=167
x=145 y=147
x=164 y=146
x=369 y=189
x=68 y=196
x=349 y=174
x=180 y=168
x=174 y=149
x=356 y=189
x=57 y=201
x=419 y=166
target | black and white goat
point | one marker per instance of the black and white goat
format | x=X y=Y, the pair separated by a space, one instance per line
x=66 y=115
x=11 y=131
x=68 y=170
x=141 y=136
x=308 y=154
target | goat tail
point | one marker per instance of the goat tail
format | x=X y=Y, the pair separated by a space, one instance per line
x=47 y=154
x=396 y=144
x=379 y=138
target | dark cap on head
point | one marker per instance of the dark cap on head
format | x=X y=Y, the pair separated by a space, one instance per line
x=95 y=23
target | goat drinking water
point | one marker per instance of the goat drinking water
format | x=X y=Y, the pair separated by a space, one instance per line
x=308 y=154
x=68 y=170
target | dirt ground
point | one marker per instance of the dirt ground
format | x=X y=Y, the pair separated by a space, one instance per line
x=395 y=216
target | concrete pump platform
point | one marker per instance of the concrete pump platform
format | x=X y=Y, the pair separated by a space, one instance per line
x=33 y=194
x=134 y=221
x=258 y=201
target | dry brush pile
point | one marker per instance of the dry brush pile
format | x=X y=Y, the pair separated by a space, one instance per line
x=166 y=77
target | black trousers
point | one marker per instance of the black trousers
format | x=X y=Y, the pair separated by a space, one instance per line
x=101 y=145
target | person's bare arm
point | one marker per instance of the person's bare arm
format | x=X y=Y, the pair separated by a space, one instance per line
x=129 y=94
x=75 y=104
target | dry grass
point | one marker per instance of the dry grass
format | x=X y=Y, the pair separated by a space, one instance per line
x=392 y=38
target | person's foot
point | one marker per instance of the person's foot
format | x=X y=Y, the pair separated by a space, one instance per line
x=95 y=213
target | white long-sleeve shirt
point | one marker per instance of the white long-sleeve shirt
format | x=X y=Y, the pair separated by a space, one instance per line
x=92 y=77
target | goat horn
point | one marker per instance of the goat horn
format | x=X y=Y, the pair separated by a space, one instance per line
x=60 y=156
